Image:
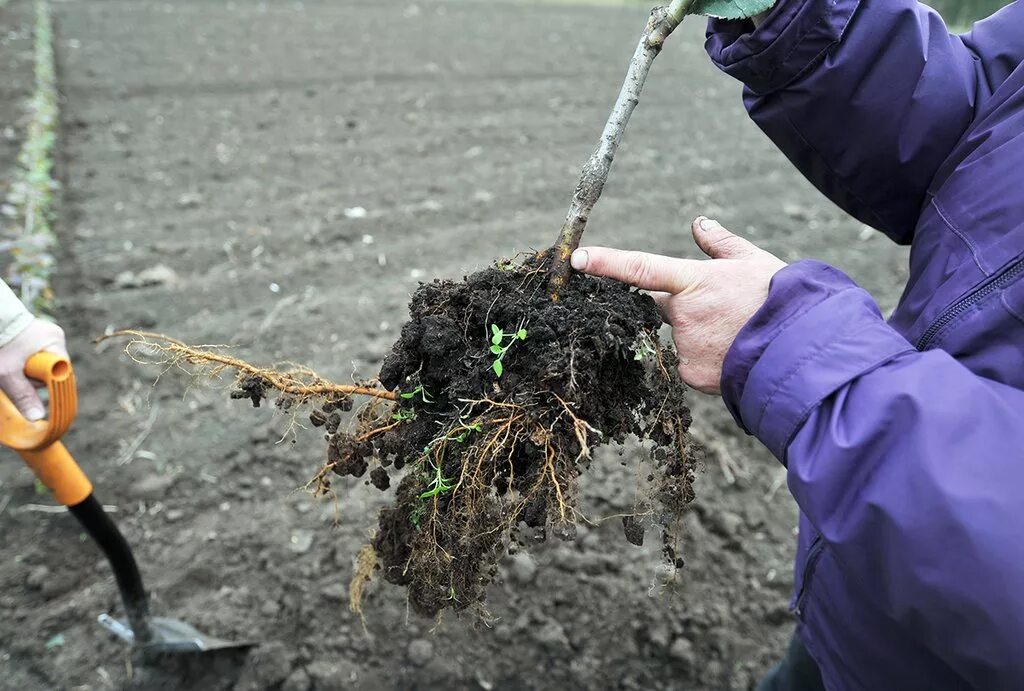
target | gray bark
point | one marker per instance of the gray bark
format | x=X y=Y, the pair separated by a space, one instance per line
x=662 y=22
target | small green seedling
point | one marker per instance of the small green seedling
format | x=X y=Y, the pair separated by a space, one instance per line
x=642 y=349
x=467 y=430
x=499 y=346
x=439 y=485
x=418 y=390
x=416 y=515
x=404 y=414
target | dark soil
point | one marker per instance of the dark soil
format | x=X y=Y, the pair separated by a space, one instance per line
x=504 y=395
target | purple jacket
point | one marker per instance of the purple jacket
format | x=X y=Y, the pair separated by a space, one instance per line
x=904 y=440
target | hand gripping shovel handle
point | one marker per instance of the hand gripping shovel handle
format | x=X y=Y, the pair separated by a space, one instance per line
x=39 y=445
x=38 y=442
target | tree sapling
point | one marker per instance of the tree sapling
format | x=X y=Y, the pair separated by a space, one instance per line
x=491 y=461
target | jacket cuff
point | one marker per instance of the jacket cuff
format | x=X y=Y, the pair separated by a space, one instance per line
x=794 y=36
x=816 y=332
x=14 y=316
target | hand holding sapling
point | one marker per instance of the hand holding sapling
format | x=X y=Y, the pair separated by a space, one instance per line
x=705 y=302
x=662 y=22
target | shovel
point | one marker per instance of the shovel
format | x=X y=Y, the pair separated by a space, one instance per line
x=38 y=443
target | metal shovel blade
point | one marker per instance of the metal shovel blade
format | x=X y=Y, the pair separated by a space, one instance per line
x=169 y=636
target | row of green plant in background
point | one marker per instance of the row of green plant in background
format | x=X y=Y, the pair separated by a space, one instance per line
x=31 y=240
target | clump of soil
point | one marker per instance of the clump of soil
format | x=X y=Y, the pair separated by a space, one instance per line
x=490 y=460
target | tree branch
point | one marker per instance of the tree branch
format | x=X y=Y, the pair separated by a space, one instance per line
x=662 y=22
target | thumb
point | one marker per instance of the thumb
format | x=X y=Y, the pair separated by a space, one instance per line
x=23 y=395
x=717 y=242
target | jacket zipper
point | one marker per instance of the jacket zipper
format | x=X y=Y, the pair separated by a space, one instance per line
x=813 y=555
x=1000 y=281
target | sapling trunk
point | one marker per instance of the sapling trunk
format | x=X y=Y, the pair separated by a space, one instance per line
x=662 y=22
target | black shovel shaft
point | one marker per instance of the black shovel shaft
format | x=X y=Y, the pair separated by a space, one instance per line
x=104 y=532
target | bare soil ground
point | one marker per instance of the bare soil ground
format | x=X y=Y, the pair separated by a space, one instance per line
x=225 y=142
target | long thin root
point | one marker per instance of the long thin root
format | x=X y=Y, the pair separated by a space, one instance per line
x=301 y=382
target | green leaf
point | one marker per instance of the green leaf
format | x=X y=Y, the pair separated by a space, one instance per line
x=496 y=349
x=521 y=334
x=497 y=367
x=410 y=394
x=496 y=332
x=730 y=9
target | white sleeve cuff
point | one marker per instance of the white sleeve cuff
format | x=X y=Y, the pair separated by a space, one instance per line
x=14 y=316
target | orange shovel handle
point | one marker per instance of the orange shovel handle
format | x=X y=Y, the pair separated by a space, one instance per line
x=38 y=443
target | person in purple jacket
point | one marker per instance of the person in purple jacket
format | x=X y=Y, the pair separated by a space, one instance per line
x=903 y=439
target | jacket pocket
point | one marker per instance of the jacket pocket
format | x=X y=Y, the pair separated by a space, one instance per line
x=810 y=564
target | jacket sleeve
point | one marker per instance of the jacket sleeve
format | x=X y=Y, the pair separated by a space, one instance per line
x=867 y=97
x=908 y=464
x=14 y=316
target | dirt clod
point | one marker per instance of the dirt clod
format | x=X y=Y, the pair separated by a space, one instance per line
x=503 y=394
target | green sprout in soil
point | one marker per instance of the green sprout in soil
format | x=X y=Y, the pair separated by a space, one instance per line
x=439 y=484
x=32 y=192
x=416 y=516
x=404 y=414
x=418 y=390
x=643 y=349
x=466 y=431
x=499 y=346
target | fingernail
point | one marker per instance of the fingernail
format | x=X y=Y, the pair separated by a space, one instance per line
x=708 y=224
x=580 y=259
x=33 y=414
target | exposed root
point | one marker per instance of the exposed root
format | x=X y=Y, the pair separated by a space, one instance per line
x=483 y=457
x=730 y=466
x=580 y=427
x=301 y=383
x=549 y=466
x=362 y=575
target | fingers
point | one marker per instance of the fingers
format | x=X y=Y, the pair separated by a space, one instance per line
x=640 y=269
x=54 y=341
x=23 y=395
x=717 y=242
x=38 y=335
